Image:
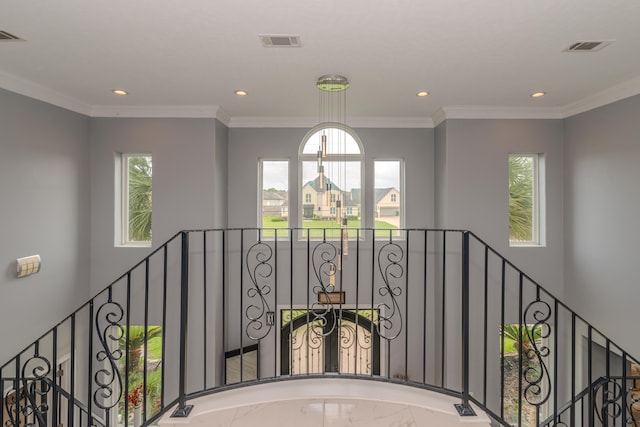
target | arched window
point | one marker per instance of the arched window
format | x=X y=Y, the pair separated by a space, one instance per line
x=331 y=171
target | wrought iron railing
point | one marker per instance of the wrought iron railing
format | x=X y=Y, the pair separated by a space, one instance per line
x=212 y=310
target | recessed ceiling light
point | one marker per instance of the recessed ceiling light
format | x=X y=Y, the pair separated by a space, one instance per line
x=120 y=92
x=422 y=94
x=538 y=94
x=241 y=93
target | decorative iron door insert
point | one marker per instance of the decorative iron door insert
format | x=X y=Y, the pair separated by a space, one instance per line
x=336 y=340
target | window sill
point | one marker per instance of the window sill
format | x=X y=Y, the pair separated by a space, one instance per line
x=134 y=245
x=526 y=245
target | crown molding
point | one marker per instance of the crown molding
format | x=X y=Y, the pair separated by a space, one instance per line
x=223 y=116
x=157 y=111
x=391 y=122
x=41 y=93
x=33 y=90
x=272 y=122
x=500 y=112
x=615 y=93
x=439 y=116
x=308 y=122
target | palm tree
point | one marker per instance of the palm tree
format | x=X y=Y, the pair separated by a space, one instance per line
x=140 y=171
x=521 y=338
x=520 y=198
x=138 y=339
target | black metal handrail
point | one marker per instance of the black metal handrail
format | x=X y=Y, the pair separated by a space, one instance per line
x=215 y=309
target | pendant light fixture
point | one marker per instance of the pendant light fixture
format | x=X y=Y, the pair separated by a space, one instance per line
x=332 y=107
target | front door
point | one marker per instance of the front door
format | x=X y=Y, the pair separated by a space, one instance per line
x=332 y=340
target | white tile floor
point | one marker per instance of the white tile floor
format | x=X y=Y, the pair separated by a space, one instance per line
x=326 y=403
x=322 y=413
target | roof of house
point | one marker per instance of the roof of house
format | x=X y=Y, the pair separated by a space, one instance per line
x=381 y=192
x=315 y=184
x=273 y=195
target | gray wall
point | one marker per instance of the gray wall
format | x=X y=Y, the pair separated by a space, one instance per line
x=415 y=146
x=474 y=188
x=188 y=175
x=456 y=177
x=601 y=172
x=44 y=184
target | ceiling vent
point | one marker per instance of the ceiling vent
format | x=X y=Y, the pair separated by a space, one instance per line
x=280 y=41
x=587 y=46
x=7 y=37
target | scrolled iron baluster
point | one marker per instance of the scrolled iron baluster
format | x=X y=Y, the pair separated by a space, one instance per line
x=260 y=270
x=537 y=379
x=611 y=407
x=390 y=319
x=10 y=403
x=108 y=321
x=633 y=406
x=323 y=259
x=34 y=371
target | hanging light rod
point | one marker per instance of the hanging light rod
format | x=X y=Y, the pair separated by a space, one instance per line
x=332 y=83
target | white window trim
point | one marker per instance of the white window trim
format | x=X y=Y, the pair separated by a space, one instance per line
x=122 y=202
x=312 y=157
x=401 y=189
x=261 y=186
x=539 y=203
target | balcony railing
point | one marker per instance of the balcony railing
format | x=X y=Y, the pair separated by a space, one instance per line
x=212 y=310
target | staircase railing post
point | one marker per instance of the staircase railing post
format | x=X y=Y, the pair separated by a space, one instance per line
x=464 y=408
x=183 y=410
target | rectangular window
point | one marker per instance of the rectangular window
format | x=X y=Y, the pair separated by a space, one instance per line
x=274 y=196
x=133 y=225
x=388 y=203
x=526 y=201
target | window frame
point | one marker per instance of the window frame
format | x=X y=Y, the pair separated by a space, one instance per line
x=312 y=157
x=538 y=208
x=261 y=162
x=122 y=201
x=401 y=190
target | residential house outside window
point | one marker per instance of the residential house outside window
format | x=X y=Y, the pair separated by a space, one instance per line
x=274 y=195
x=388 y=183
x=332 y=178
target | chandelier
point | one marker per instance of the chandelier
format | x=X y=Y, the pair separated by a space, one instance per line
x=332 y=116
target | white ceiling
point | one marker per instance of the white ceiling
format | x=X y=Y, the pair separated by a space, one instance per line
x=476 y=58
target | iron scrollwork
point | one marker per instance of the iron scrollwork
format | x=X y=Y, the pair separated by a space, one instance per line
x=357 y=339
x=306 y=349
x=34 y=388
x=535 y=375
x=109 y=329
x=390 y=257
x=324 y=259
x=611 y=404
x=260 y=270
x=609 y=393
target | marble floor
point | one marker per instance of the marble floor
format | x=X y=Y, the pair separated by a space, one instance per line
x=325 y=413
x=325 y=403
